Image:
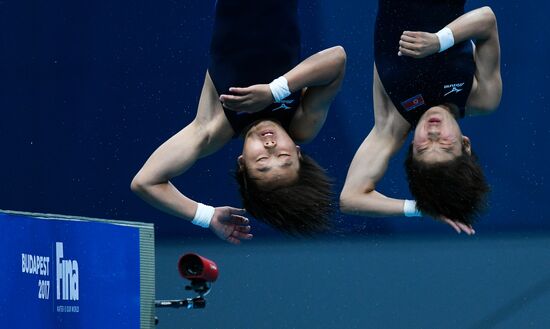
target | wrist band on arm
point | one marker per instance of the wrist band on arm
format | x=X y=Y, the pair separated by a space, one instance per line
x=203 y=216
x=279 y=89
x=409 y=209
x=446 y=39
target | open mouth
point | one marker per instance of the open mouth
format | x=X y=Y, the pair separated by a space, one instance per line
x=266 y=133
x=434 y=120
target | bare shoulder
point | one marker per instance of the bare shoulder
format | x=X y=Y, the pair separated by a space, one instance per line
x=387 y=120
x=210 y=121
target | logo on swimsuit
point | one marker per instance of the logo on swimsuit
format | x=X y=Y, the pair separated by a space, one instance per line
x=455 y=88
x=283 y=105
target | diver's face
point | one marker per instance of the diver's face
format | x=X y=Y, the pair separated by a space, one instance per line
x=437 y=137
x=270 y=155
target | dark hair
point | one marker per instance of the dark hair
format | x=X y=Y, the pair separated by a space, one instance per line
x=302 y=208
x=456 y=189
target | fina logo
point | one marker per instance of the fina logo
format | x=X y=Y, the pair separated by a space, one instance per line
x=67 y=275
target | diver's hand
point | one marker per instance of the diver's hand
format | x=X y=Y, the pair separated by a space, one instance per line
x=458 y=226
x=250 y=99
x=418 y=44
x=229 y=224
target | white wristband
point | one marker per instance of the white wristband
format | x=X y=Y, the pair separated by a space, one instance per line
x=279 y=89
x=446 y=39
x=203 y=216
x=409 y=209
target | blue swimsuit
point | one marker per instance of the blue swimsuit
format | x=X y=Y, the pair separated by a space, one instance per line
x=254 y=42
x=415 y=85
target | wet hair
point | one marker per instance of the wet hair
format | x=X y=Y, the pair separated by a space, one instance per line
x=302 y=208
x=456 y=189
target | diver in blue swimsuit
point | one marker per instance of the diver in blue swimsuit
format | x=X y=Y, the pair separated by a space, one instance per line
x=255 y=87
x=434 y=64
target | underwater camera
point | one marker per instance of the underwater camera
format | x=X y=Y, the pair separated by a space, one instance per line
x=201 y=272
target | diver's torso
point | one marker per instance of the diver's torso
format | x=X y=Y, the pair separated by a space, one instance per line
x=254 y=42
x=415 y=85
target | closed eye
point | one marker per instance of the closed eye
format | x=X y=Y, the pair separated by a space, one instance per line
x=421 y=150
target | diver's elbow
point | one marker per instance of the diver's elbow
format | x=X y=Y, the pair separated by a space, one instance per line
x=139 y=184
x=345 y=203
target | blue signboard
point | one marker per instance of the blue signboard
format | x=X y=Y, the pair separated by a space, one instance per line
x=60 y=273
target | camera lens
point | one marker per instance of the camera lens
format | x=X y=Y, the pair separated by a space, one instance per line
x=191 y=265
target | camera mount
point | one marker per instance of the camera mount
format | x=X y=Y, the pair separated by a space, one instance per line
x=201 y=272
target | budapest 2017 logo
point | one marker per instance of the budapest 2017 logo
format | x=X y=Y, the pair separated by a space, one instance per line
x=66 y=274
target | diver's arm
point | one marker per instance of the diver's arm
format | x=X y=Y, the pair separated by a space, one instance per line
x=171 y=159
x=359 y=197
x=370 y=162
x=487 y=88
x=320 y=69
x=371 y=159
x=321 y=76
x=478 y=24
x=174 y=157
x=208 y=132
